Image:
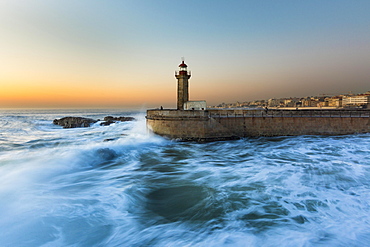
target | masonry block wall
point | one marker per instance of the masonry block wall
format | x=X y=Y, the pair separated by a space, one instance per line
x=203 y=126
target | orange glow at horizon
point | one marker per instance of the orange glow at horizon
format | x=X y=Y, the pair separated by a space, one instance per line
x=25 y=95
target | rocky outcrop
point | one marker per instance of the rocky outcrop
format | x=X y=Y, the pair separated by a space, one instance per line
x=74 y=122
x=121 y=119
x=109 y=120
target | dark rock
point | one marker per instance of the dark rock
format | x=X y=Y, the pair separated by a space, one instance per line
x=110 y=139
x=121 y=119
x=74 y=122
x=109 y=122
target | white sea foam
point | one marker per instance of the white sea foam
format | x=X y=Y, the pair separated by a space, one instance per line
x=72 y=187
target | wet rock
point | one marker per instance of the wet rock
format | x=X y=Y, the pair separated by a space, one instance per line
x=74 y=122
x=110 y=139
x=121 y=119
x=109 y=120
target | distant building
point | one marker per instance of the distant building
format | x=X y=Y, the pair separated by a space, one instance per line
x=275 y=102
x=335 y=101
x=356 y=100
x=310 y=102
x=291 y=102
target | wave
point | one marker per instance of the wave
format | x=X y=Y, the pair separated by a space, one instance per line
x=119 y=185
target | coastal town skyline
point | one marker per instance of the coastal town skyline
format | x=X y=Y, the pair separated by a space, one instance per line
x=344 y=100
x=113 y=54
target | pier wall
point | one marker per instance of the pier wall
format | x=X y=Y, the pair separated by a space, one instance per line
x=230 y=124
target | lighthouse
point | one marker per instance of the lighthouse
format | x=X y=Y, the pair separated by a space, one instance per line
x=182 y=76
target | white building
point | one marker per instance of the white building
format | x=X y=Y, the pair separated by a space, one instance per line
x=195 y=105
x=356 y=100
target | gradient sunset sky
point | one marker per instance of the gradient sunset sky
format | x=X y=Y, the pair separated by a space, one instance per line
x=123 y=53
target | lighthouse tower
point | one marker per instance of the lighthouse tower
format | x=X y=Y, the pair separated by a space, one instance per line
x=182 y=76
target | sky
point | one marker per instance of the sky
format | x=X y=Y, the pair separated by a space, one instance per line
x=123 y=53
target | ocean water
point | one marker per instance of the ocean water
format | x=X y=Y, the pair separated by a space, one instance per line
x=70 y=187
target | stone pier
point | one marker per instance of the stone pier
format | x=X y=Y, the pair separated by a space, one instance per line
x=215 y=124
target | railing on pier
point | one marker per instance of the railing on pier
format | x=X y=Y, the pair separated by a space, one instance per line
x=253 y=113
x=288 y=113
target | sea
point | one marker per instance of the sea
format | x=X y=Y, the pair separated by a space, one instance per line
x=120 y=185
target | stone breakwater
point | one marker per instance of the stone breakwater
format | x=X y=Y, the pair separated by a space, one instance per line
x=213 y=125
